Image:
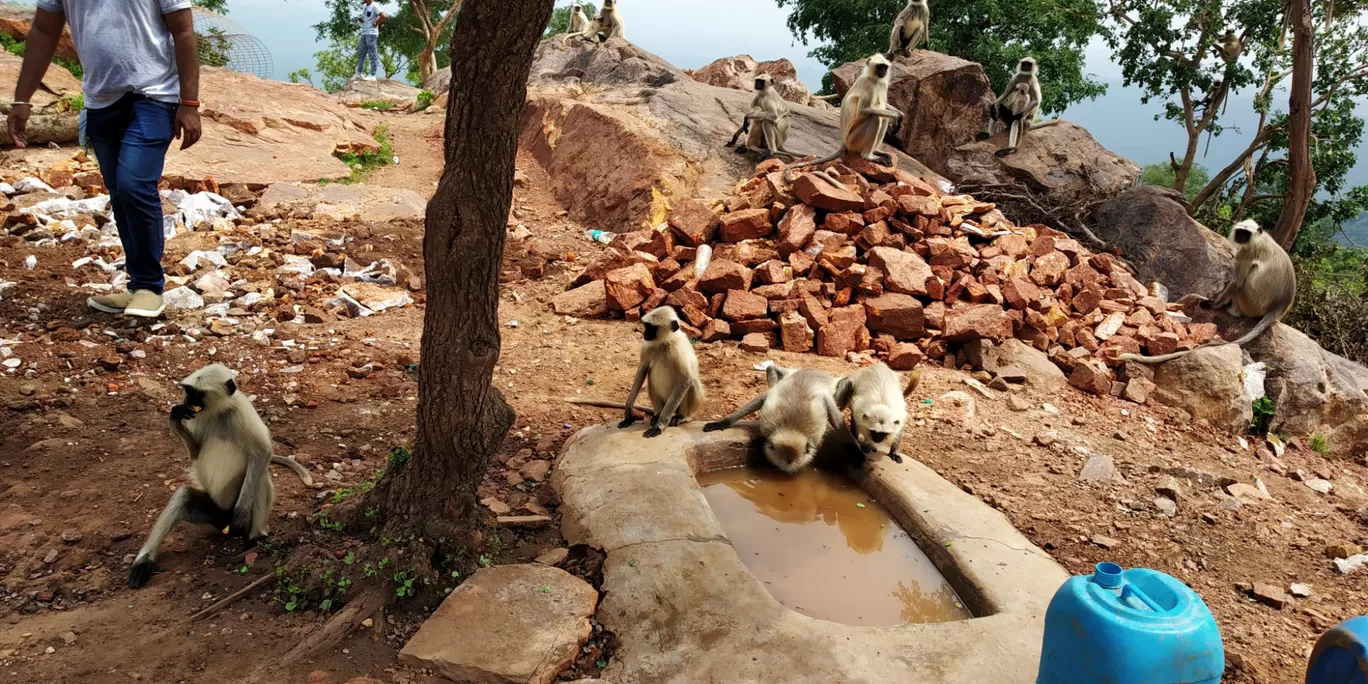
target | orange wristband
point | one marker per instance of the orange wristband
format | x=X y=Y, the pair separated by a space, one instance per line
x=190 y=103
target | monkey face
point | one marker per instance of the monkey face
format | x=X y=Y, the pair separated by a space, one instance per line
x=760 y=83
x=1027 y=66
x=194 y=397
x=876 y=429
x=881 y=70
x=788 y=451
x=1242 y=236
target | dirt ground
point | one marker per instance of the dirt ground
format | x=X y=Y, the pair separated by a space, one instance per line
x=86 y=463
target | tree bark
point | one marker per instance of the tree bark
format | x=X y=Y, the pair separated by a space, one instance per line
x=462 y=417
x=1301 y=177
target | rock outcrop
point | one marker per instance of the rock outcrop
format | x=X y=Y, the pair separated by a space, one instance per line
x=342 y=202
x=438 y=81
x=282 y=132
x=1061 y=161
x=57 y=82
x=1209 y=384
x=619 y=155
x=1155 y=235
x=17 y=21
x=739 y=72
x=395 y=94
x=945 y=98
x=1314 y=392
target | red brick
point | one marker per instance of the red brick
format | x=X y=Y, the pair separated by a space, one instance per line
x=983 y=321
x=817 y=192
x=693 y=222
x=950 y=253
x=655 y=300
x=628 y=287
x=847 y=223
x=1086 y=302
x=1138 y=390
x=687 y=296
x=1048 y=269
x=693 y=315
x=795 y=332
x=755 y=342
x=795 y=229
x=714 y=330
x=813 y=312
x=772 y=271
x=746 y=224
x=1093 y=377
x=1020 y=293
x=775 y=291
x=741 y=305
x=754 y=325
x=1163 y=343
x=723 y=275
x=896 y=314
x=842 y=333
x=801 y=263
x=1013 y=245
x=839 y=256
x=914 y=205
x=904 y=356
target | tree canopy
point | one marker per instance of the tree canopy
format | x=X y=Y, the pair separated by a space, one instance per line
x=560 y=17
x=994 y=33
x=402 y=34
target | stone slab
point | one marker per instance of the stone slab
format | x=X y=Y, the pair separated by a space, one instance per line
x=686 y=609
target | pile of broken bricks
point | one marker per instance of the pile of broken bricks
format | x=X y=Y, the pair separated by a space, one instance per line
x=888 y=264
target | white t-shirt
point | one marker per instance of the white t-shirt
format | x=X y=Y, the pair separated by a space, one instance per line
x=370 y=16
x=124 y=46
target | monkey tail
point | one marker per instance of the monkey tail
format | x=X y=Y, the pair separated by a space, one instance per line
x=1263 y=325
x=603 y=403
x=788 y=171
x=913 y=379
x=304 y=475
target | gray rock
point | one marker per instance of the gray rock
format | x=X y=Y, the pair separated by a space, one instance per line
x=1100 y=469
x=1209 y=384
x=1318 y=485
x=183 y=298
x=1163 y=243
x=1350 y=564
x=1016 y=362
x=1314 y=391
x=1167 y=507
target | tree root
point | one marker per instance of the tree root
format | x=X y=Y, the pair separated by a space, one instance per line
x=234 y=597
x=331 y=633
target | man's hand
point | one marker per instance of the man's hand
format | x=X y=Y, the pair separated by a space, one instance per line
x=18 y=124
x=187 y=126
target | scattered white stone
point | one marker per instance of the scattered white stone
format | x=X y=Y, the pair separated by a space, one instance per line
x=30 y=262
x=295 y=263
x=183 y=298
x=198 y=258
x=1318 y=485
x=1050 y=409
x=201 y=207
x=1301 y=590
x=6 y=188
x=12 y=363
x=1110 y=326
x=511 y=324
x=213 y=284
x=31 y=184
x=1350 y=564
x=137 y=354
x=376 y=298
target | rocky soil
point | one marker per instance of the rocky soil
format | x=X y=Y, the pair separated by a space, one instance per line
x=86 y=461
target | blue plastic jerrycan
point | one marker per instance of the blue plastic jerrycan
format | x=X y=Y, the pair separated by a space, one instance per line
x=1129 y=627
x=1341 y=655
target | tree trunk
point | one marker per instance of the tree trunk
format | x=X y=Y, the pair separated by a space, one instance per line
x=462 y=417
x=1301 y=177
x=427 y=60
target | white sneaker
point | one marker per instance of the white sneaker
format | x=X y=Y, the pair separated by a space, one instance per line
x=370 y=78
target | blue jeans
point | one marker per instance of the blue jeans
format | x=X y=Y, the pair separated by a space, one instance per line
x=130 y=139
x=368 y=47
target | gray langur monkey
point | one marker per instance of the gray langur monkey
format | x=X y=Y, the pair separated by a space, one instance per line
x=1017 y=108
x=608 y=24
x=578 y=22
x=771 y=113
x=865 y=117
x=229 y=448
x=1229 y=47
x=909 y=29
x=797 y=413
x=1262 y=285
x=668 y=360
x=878 y=407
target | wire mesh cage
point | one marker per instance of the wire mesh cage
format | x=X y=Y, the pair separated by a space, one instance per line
x=225 y=43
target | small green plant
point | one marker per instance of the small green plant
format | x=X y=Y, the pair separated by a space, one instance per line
x=425 y=98
x=288 y=593
x=15 y=46
x=366 y=160
x=398 y=456
x=403 y=584
x=368 y=570
x=1320 y=445
x=377 y=105
x=349 y=558
x=485 y=560
x=302 y=75
x=1263 y=415
x=330 y=525
x=372 y=512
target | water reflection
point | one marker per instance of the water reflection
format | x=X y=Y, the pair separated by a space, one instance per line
x=824 y=549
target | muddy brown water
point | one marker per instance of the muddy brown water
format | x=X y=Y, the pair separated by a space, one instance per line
x=824 y=548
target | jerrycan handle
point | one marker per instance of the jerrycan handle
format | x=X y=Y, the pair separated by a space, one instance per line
x=1130 y=591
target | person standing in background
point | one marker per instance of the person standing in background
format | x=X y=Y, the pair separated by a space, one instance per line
x=371 y=19
x=141 y=90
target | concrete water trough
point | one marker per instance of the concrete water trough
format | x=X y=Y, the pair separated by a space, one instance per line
x=687 y=610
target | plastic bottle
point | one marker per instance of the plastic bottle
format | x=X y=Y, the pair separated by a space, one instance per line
x=1133 y=626
x=701 y=260
x=599 y=236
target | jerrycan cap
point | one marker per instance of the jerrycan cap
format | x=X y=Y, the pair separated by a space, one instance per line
x=1107 y=575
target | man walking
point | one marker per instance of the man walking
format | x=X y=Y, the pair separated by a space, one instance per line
x=141 y=89
x=371 y=19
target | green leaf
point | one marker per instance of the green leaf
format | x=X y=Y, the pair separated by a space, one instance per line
x=632 y=564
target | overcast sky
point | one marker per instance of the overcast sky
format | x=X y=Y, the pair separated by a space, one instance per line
x=692 y=33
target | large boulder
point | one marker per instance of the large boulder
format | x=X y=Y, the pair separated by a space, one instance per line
x=1015 y=359
x=619 y=155
x=281 y=132
x=1061 y=161
x=945 y=98
x=1154 y=233
x=1314 y=392
x=1209 y=384
x=739 y=72
x=17 y=21
x=378 y=93
x=438 y=81
x=57 y=83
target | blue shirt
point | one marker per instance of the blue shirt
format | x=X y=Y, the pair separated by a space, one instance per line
x=370 y=15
